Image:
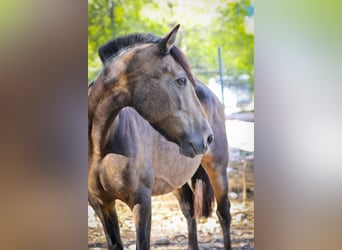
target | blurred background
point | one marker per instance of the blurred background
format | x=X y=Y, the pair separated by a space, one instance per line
x=217 y=38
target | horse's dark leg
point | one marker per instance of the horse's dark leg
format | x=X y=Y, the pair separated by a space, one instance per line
x=109 y=222
x=185 y=199
x=142 y=218
x=223 y=213
x=218 y=179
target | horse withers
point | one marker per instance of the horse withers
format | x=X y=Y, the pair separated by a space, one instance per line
x=154 y=79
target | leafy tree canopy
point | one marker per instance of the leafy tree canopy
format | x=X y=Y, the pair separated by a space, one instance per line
x=205 y=26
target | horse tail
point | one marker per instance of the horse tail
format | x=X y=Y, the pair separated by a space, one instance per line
x=203 y=194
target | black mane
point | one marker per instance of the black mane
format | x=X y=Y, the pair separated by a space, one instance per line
x=113 y=47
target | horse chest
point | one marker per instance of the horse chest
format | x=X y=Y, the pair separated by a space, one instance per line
x=172 y=170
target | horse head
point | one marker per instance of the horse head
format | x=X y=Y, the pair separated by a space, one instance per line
x=164 y=95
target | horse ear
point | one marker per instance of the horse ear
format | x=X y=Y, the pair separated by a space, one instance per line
x=168 y=41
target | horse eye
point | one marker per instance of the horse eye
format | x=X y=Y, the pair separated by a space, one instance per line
x=181 y=81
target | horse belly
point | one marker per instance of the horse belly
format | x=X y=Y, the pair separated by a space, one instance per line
x=171 y=169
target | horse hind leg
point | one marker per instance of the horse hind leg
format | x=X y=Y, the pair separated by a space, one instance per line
x=109 y=220
x=223 y=214
x=219 y=182
x=184 y=196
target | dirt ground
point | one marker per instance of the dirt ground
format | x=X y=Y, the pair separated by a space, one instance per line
x=169 y=230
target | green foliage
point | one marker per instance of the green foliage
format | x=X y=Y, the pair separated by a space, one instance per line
x=236 y=44
x=205 y=25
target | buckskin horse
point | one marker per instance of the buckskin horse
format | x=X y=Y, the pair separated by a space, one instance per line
x=147 y=81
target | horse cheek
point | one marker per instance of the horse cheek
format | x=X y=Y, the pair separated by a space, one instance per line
x=154 y=108
x=162 y=107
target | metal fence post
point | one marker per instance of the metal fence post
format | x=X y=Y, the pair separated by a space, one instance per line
x=221 y=74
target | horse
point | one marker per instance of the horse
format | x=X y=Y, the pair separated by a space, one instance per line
x=140 y=156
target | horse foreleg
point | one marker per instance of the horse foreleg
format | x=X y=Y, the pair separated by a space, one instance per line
x=219 y=182
x=142 y=218
x=185 y=199
x=109 y=220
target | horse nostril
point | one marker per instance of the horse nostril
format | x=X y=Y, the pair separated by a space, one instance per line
x=210 y=139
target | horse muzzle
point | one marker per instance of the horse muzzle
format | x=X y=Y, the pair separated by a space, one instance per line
x=196 y=146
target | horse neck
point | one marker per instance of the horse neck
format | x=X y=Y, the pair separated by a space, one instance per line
x=106 y=100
